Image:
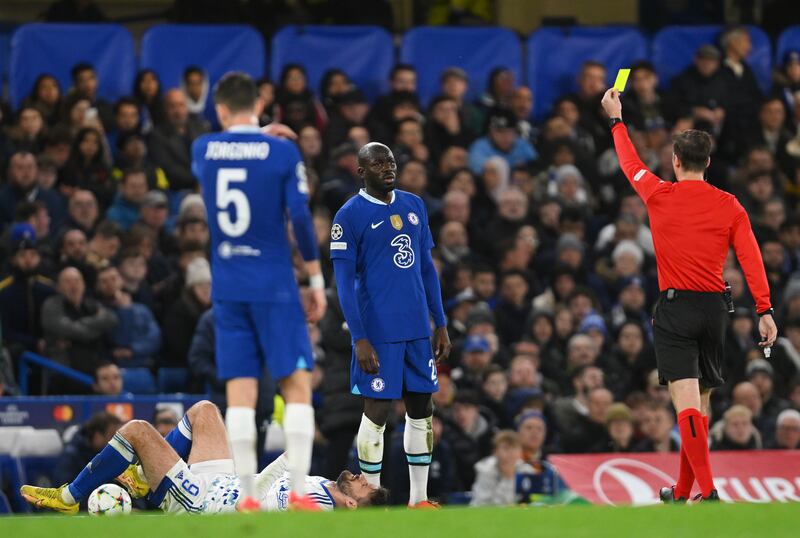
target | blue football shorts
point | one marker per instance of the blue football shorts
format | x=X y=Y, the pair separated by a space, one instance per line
x=251 y=335
x=407 y=365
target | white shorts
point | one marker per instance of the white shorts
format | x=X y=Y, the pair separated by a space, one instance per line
x=207 y=487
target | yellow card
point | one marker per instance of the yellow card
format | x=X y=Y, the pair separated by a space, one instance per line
x=622 y=80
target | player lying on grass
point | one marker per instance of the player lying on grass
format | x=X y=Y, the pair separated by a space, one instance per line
x=193 y=471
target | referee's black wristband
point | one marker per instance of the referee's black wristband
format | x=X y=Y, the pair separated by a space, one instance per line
x=770 y=311
x=613 y=121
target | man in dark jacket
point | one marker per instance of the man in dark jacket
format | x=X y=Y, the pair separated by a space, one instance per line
x=23 y=293
x=21 y=185
x=699 y=91
x=76 y=327
x=170 y=143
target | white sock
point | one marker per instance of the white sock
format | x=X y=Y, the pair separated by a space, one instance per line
x=241 y=425
x=298 y=425
x=418 y=444
x=66 y=496
x=370 y=450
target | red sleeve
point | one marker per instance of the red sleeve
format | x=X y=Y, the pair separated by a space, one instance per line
x=643 y=181
x=749 y=256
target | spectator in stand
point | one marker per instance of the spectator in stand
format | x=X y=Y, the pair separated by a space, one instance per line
x=454 y=84
x=73 y=252
x=29 y=130
x=76 y=327
x=88 y=168
x=494 y=391
x=476 y=356
x=644 y=106
x=295 y=105
x=469 y=434
x=46 y=97
x=771 y=132
x=170 y=142
x=590 y=429
x=133 y=154
x=84 y=86
x=532 y=430
x=127 y=121
x=333 y=83
x=631 y=359
x=165 y=419
x=761 y=374
x=92 y=436
x=499 y=89
x=309 y=141
x=747 y=395
x=513 y=306
x=495 y=476
x=350 y=111
x=182 y=316
x=341 y=181
x=127 y=204
x=104 y=245
x=658 y=426
x=21 y=185
x=147 y=92
x=567 y=410
x=787 y=432
x=735 y=431
x=195 y=85
x=409 y=143
x=741 y=89
x=591 y=85
x=502 y=140
x=107 y=379
x=619 y=425
x=136 y=339
x=444 y=128
x=154 y=213
x=699 y=92
x=402 y=81
x=22 y=295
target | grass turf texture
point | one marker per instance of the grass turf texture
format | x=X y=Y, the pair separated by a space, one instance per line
x=705 y=521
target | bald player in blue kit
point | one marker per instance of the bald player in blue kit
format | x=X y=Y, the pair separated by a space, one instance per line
x=389 y=289
x=253 y=184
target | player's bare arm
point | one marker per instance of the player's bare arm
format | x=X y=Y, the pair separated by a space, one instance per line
x=441 y=344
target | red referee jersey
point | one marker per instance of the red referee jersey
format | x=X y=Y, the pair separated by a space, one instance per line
x=693 y=225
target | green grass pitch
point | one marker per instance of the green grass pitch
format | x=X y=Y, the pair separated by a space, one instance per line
x=703 y=521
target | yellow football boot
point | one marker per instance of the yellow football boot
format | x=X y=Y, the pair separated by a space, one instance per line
x=48 y=498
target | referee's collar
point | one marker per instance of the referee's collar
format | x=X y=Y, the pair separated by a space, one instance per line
x=363 y=192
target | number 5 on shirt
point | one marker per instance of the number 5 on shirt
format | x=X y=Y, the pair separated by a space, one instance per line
x=227 y=195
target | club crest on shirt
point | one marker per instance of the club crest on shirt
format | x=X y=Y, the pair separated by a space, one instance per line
x=413 y=218
x=336 y=232
x=397 y=222
x=377 y=385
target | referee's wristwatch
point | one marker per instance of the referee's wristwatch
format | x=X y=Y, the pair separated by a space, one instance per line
x=770 y=311
x=613 y=121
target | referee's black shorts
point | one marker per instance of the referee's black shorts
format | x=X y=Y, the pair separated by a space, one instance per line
x=689 y=336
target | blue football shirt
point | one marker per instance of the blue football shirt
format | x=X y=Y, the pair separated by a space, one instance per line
x=386 y=241
x=249 y=181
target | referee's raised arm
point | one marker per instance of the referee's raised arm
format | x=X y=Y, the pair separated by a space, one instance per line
x=694 y=225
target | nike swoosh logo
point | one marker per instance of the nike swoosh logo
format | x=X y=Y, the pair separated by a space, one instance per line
x=376 y=225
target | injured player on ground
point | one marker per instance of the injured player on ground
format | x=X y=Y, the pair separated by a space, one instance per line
x=193 y=472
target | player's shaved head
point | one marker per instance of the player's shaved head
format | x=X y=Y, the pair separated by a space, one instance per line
x=370 y=151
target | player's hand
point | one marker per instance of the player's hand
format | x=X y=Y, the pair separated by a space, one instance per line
x=280 y=130
x=441 y=344
x=366 y=356
x=317 y=303
x=611 y=103
x=768 y=330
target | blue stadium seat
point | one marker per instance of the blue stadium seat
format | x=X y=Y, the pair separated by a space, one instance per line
x=54 y=48
x=674 y=48
x=138 y=381
x=555 y=56
x=172 y=380
x=476 y=50
x=169 y=49
x=365 y=53
x=788 y=40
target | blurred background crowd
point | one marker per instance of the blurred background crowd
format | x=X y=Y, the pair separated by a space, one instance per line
x=544 y=252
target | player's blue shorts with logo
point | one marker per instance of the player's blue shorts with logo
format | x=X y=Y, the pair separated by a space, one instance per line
x=252 y=334
x=405 y=365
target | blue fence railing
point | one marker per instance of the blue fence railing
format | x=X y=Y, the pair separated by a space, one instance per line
x=28 y=359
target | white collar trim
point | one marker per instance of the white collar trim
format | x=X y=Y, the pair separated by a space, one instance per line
x=363 y=192
x=244 y=129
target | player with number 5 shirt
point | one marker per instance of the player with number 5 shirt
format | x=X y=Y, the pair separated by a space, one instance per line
x=388 y=288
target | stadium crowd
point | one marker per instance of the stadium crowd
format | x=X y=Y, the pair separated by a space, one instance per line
x=545 y=256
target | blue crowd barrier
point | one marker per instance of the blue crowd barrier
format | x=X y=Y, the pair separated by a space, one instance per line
x=169 y=49
x=674 y=48
x=555 y=56
x=40 y=48
x=475 y=50
x=788 y=40
x=27 y=359
x=365 y=53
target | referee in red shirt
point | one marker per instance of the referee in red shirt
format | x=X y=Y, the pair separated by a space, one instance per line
x=693 y=225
